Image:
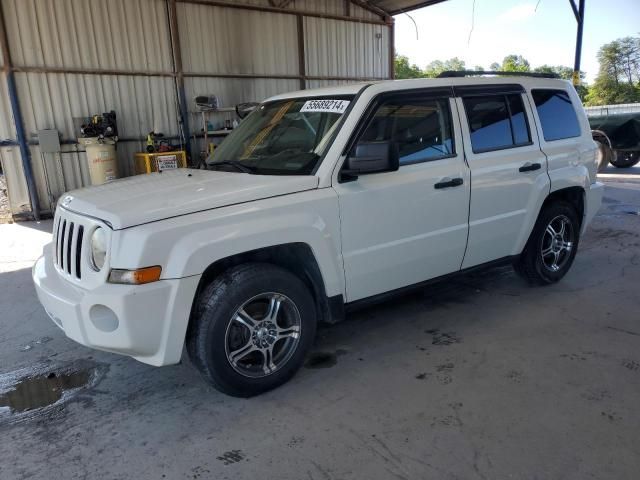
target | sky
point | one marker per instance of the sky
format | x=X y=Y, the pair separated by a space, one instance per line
x=543 y=35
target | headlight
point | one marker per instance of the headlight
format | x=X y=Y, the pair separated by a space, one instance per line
x=98 y=248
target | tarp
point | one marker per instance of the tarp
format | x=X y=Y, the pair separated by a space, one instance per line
x=622 y=129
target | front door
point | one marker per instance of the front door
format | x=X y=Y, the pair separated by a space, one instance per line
x=403 y=227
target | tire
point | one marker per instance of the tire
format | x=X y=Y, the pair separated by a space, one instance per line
x=549 y=268
x=625 y=159
x=605 y=154
x=236 y=342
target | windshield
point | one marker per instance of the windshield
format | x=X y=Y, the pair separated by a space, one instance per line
x=285 y=137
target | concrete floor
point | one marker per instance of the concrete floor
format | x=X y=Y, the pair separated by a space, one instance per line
x=482 y=377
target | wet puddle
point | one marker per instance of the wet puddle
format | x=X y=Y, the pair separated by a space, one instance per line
x=27 y=393
x=628 y=209
x=41 y=391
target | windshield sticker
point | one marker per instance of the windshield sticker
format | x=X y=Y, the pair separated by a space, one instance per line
x=328 y=106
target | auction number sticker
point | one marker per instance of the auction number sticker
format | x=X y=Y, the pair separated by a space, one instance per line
x=325 y=105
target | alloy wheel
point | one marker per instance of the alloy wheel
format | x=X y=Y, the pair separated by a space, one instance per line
x=557 y=243
x=263 y=334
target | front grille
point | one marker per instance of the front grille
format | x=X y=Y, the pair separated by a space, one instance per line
x=68 y=236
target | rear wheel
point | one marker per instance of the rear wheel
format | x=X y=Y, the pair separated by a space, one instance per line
x=625 y=159
x=251 y=329
x=552 y=245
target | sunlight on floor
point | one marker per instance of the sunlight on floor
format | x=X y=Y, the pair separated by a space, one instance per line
x=21 y=244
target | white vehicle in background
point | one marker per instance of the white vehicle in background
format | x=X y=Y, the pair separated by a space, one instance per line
x=322 y=200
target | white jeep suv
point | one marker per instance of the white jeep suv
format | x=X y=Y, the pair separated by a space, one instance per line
x=319 y=201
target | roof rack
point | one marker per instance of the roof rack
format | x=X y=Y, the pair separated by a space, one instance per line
x=468 y=73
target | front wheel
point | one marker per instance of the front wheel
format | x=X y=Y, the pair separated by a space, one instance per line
x=552 y=245
x=251 y=329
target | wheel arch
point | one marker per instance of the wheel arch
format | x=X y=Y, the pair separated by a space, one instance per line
x=575 y=196
x=297 y=258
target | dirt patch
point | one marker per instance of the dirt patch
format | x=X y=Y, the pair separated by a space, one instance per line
x=443 y=338
x=321 y=360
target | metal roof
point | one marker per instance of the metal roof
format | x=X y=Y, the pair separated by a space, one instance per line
x=394 y=7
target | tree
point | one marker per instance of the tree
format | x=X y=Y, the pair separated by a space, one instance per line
x=620 y=60
x=511 y=63
x=515 y=63
x=565 y=73
x=560 y=70
x=436 y=67
x=607 y=91
x=403 y=69
x=609 y=59
x=618 y=79
x=630 y=58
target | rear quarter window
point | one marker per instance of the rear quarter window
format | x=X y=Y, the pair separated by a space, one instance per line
x=557 y=114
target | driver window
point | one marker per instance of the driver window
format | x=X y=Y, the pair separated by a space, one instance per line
x=420 y=127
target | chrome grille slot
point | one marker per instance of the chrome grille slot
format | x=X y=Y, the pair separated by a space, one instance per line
x=61 y=240
x=78 y=251
x=68 y=240
x=56 y=227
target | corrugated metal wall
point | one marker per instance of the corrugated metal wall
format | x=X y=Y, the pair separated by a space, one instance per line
x=341 y=49
x=75 y=58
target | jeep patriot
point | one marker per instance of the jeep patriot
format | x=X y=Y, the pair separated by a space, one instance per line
x=320 y=201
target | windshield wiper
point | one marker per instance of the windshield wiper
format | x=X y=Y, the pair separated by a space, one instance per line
x=234 y=163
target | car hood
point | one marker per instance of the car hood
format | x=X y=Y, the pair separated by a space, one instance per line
x=156 y=196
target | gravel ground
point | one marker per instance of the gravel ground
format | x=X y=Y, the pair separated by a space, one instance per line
x=5 y=212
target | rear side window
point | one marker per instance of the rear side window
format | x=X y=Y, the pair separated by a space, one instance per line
x=421 y=127
x=497 y=122
x=557 y=115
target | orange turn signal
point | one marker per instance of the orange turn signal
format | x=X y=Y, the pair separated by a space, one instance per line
x=135 y=277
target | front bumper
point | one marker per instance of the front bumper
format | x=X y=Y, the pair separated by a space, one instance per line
x=146 y=322
x=593 y=201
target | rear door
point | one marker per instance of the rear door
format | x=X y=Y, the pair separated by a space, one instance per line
x=508 y=170
x=400 y=228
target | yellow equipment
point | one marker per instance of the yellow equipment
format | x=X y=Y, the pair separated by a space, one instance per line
x=159 y=161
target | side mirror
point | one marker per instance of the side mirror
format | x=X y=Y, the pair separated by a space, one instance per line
x=371 y=157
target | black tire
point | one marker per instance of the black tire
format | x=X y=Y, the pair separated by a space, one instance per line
x=210 y=331
x=625 y=159
x=531 y=264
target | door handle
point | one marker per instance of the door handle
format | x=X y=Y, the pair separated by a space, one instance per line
x=530 y=167
x=446 y=183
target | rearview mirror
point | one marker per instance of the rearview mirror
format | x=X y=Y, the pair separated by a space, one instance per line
x=371 y=157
